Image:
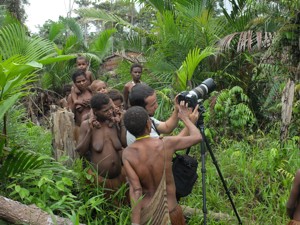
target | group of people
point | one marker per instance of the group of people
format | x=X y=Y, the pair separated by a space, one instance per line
x=118 y=134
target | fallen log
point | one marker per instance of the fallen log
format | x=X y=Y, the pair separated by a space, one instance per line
x=188 y=212
x=18 y=213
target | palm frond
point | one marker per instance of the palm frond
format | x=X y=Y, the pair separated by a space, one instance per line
x=55 y=29
x=102 y=43
x=186 y=71
x=18 y=162
x=14 y=41
x=246 y=41
x=71 y=41
x=102 y=15
x=75 y=28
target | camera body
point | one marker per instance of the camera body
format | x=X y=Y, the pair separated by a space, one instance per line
x=195 y=96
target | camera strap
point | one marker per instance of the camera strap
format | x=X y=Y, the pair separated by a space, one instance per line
x=154 y=127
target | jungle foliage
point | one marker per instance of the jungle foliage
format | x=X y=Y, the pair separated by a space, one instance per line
x=250 y=49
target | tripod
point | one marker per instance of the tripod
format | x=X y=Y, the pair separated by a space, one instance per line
x=204 y=144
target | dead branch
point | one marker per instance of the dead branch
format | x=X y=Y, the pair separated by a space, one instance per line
x=18 y=213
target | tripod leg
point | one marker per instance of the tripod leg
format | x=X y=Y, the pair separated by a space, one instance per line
x=203 y=172
x=220 y=175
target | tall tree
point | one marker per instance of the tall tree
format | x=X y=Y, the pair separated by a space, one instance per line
x=16 y=8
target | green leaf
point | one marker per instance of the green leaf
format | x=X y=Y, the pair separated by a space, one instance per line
x=6 y=104
x=23 y=193
x=59 y=58
x=17 y=188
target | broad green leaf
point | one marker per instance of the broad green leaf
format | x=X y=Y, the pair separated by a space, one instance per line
x=6 y=104
x=59 y=58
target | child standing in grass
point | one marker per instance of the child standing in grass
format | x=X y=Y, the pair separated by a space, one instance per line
x=136 y=73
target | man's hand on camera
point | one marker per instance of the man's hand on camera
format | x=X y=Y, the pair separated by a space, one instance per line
x=194 y=114
x=176 y=104
x=184 y=111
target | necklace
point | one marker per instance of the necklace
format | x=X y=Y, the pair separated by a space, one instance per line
x=142 y=137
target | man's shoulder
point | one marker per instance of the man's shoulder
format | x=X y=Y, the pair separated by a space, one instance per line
x=128 y=84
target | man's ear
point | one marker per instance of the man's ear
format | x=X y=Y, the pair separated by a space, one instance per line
x=149 y=125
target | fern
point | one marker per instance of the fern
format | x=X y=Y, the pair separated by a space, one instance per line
x=20 y=161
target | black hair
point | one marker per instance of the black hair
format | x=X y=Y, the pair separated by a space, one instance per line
x=139 y=93
x=78 y=73
x=98 y=100
x=66 y=88
x=135 y=120
x=135 y=65
x=115 y=95
x=81 y=57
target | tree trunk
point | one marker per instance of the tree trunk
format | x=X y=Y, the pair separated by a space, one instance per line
x=63 y=141
x=286 y=112
x=18 y=213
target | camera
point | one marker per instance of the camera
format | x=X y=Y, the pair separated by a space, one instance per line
x=195 y=96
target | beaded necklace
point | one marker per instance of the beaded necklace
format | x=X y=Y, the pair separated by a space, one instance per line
x=142 y=137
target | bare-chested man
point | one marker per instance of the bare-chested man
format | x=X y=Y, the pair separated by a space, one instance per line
x=148 y=166
x=136 y=73
x=104 y=142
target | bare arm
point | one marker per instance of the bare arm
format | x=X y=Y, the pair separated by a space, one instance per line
x=125 y=95
x=294 y=196
x=89 y=76
x=193 y=117
x=181 y=142
x=123 y=132
x=74 y=96
x=135 y=191
x=85 y=134
x=171 y=123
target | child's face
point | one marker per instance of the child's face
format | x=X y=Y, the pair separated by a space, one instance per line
x=119 y=104
x=81 y=82
x=81 y=64
x=100 y=88
x=136 y=73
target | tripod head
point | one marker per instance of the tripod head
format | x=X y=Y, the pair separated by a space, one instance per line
x=200 y=121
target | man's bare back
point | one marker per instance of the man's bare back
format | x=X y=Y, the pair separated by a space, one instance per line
x=146 y=159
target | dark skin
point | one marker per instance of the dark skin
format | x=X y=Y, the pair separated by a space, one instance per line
x=144 y=163
x=81 y=105
x=83 y=65
x=104 y=142
x=136 y=74
x=293 y=206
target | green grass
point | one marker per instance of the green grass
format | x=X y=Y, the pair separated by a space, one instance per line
x=257 y=170
x=258 y=176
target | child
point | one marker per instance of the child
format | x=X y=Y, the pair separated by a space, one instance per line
x=98 y=86
x=118 y=101
x=81 y=64
x=117 y=98
x=136 y=73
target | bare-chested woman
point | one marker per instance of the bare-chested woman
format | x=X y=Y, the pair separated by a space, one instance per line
x=105 y=142
x=81 y=105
